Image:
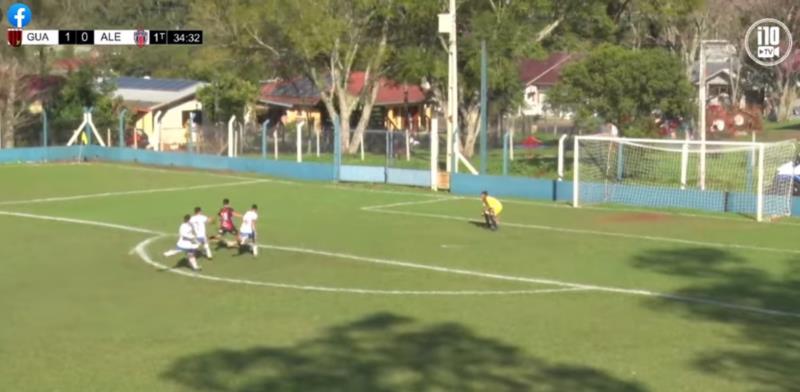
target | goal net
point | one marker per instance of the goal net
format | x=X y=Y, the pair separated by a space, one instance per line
x=741 y=177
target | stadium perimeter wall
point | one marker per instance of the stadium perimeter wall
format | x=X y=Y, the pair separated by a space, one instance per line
x=461 y=184
x=300 y=171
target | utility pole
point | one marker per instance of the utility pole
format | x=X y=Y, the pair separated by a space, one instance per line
x=447 y=25
x=715 y=47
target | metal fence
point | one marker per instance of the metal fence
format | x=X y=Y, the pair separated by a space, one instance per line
x=391 y=148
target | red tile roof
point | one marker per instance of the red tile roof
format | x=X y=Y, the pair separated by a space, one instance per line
x=296 y=92
x=390 y=92
x=302 y=92
x=544 y=72
x=41 y=87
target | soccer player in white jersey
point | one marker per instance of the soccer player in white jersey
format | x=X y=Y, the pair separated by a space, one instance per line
x=247 y=231
x=198 y=221
x=187 y=243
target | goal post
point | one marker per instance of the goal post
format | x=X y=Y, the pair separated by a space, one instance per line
x=720 y=176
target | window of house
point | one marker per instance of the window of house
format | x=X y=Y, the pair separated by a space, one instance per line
x=186 y=115
x=532 y=95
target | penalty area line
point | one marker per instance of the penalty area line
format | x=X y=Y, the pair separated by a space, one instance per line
x=128 y=193
x=381 y=210
x=411 y=203
x=183 y=171
x=552 y=282
x=141 y=250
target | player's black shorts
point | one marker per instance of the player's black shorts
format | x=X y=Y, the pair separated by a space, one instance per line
x=232 y=230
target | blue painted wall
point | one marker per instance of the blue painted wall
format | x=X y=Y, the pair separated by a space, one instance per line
x=563 y=191
x=353 y=173
x=409 y=177
x=38 y=154
x=381 y=175
x=528 y=188
x=285 y=169
x=462 y=184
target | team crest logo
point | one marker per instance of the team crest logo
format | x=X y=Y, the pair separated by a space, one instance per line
x=15 y=37
x=140 y=36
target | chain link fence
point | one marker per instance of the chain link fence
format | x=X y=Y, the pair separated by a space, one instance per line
x=391 y=148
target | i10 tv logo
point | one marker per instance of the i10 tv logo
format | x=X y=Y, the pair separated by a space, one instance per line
x=768 y=42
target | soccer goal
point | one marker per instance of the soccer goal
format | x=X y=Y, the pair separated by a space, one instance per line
x=721 y=176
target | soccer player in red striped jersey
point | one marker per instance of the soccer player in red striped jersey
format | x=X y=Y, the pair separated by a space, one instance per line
x=226 y=224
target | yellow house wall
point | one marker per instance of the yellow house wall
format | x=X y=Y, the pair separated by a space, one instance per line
x=173 y=132
x=303 y=115
x=145 y=123
x=394 y=116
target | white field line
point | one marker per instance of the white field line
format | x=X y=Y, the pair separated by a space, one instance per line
x=141 y=251
x=409 y=203
x=560 y=205
x=347 y=187
x=79 y=221
x=541 y=281
x=553 y=204
x=654 y=211
x=597 y=232
x=552 y=282
x=353 y=187
x=127 y=193
x=207 y=173
x=12 y=165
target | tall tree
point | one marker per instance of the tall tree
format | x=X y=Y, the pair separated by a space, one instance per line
x=226 y=95
x=780 y=81
x=675 y=25
x=14 y=97
x=512 y=29
x=85 y=88
x=624 y=86
x=322 y=40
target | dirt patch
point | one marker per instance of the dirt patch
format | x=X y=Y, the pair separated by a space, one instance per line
x=634 y=217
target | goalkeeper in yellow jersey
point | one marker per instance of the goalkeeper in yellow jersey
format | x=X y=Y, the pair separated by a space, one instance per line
x=491 y=210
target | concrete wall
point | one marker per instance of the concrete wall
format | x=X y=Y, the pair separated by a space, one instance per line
x=461 y=184
x=372 y=174
x=521 y=187
x=39 y=154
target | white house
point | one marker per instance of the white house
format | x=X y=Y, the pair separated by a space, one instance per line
x=172 y=99
x=719 y=75
x=538 y=76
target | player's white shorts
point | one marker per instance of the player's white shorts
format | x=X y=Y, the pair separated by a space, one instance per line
x=247 y=236
x=202 y=240
x=187 y=246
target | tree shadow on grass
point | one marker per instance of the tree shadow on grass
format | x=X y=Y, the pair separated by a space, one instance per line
x=692 y=262
x=772 y=358
x=386 y=352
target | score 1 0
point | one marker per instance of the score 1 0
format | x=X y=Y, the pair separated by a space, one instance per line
x=76 y=37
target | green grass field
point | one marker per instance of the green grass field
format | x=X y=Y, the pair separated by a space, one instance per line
x=361 y=288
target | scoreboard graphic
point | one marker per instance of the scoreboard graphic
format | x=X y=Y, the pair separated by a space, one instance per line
x=19 y=16
x=140 y=38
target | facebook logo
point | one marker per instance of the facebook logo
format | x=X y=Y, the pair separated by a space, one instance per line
x=19 y=15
